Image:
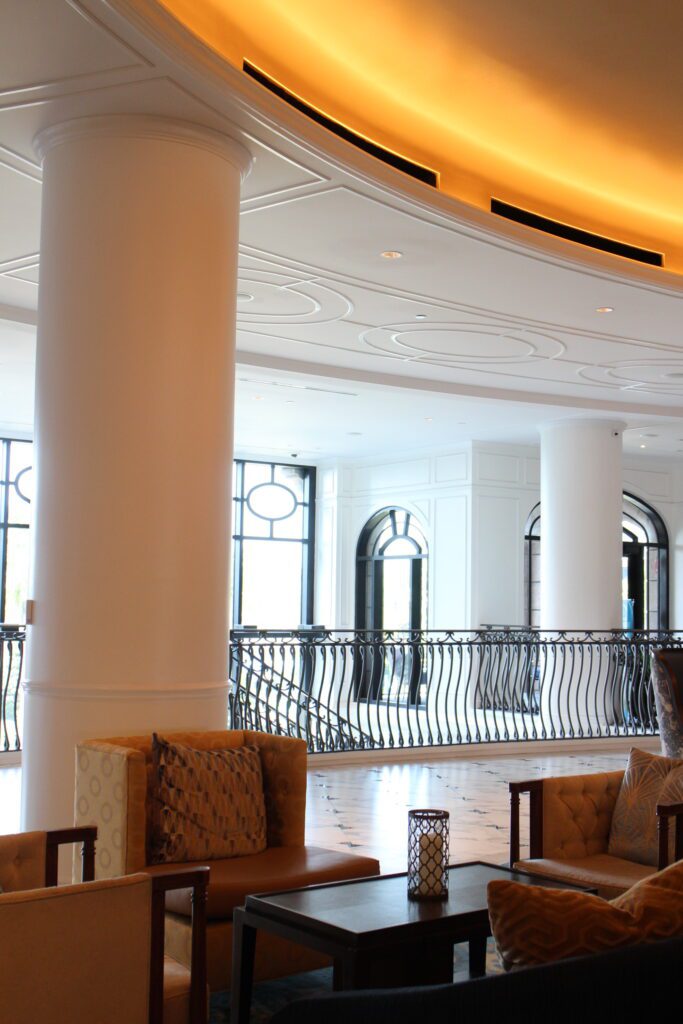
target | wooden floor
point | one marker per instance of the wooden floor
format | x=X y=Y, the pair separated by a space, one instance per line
x=364 y=807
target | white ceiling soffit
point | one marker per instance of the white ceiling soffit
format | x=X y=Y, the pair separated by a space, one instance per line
x=471 y=304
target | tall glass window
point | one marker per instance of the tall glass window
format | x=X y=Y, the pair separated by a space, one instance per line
x=273 y=537
x=644 y=566
x=391 y=573
x=391 y=596
x=16 y=491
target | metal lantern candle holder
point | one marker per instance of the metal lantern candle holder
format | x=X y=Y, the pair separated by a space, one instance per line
x=428 y=834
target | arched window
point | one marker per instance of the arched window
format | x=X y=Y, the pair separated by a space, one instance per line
x=644 y=566
x=391 y=573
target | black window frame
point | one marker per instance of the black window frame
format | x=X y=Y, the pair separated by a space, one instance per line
x=5 y=525
x=370 y=560
x=239 y=500
x=634 y=550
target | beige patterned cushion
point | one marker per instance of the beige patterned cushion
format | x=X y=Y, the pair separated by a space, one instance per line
x=649 y=780
x=208 y=804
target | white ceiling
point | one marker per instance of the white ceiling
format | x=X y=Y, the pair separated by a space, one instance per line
x=506 y=315
x=322 y=417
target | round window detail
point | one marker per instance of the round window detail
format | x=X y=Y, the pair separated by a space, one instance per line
x=23 y=484
x=271 y=501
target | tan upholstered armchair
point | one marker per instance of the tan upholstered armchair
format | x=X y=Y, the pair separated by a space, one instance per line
x=93 y=951
x=114 y=782
x=569 y=826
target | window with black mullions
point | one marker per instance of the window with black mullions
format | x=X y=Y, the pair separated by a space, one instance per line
x=273 y=544
x=391 y=597
x=645 y=566
x=16 y=491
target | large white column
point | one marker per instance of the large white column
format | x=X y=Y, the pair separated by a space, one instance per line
x=134 y=400
x=581 y=503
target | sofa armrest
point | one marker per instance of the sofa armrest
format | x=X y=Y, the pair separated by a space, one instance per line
x=534 y=788
x=164 y=880
x=664 y=812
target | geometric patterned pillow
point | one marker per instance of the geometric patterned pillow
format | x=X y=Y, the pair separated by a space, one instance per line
x=208 y=804
x=649 y=780
x=532 y=925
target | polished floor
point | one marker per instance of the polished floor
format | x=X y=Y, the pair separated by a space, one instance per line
x=364 y=807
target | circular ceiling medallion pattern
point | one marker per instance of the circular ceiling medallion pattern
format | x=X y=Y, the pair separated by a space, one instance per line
x=656 y=376
x=454 y=344
x=276 y=299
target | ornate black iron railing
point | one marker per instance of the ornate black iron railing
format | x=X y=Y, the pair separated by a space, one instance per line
x=345 y=690
x=12 y=645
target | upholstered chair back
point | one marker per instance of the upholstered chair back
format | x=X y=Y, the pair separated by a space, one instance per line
x=22 y=861
x=577 y=814
x=92 y=942
x=667 y=682
x=114 y=786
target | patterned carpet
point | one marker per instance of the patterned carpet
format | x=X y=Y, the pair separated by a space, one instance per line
x=271 y=996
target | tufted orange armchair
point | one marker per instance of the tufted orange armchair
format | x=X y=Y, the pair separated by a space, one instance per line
x=569 y=826
x=114 y=781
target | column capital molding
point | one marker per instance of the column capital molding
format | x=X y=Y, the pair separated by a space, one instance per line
x=582 y=422
x=145 y=126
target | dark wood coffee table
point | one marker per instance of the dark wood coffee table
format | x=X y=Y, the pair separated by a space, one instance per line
x=376 y=936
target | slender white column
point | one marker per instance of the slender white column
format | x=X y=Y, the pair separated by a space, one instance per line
x=134 y=400
x=581 y=502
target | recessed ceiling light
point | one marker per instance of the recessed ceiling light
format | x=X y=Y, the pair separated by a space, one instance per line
x=391 y=254
x=604 y=309
x=649 y=435
x=643 y=446
x=428 y=419
x=354 y=433
x=420 y=316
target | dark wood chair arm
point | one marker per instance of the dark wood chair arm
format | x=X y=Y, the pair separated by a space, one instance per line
x=664 y=812
x=534 y=787
x=170 y=876
x=174 y=877
x=86 y=834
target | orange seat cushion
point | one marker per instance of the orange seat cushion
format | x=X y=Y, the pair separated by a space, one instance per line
x=277 y=868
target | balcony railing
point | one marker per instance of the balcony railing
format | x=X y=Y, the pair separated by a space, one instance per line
x=344 y=690
x=12 y=644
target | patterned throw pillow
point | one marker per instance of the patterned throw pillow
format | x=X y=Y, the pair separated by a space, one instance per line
x=532 y=925
x=208 y=804
x=649 y=780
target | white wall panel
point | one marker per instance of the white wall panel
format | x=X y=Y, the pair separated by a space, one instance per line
x=410 y=473
x=497 y=559
x=449 y=567
x=493 y=467
x=451 y=468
